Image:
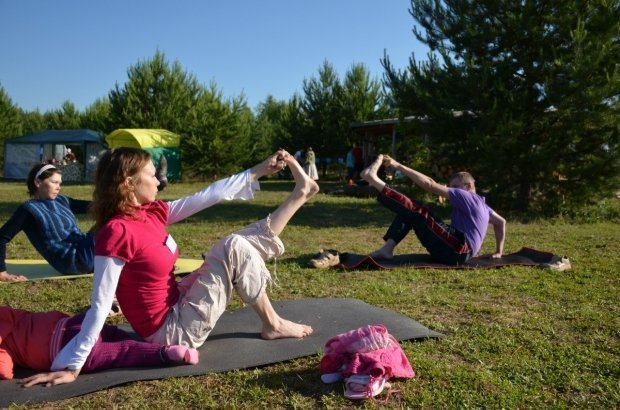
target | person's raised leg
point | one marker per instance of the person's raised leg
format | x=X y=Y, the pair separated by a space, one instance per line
x=275 y=327
x=305 y=188
x=370 y=175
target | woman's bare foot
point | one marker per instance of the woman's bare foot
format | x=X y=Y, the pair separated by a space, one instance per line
x=303 y=183
x=370 y=174
x=285 y=329
x=7 y=277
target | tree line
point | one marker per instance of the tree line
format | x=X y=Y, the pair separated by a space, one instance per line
x=219 y=135
x=524 y=95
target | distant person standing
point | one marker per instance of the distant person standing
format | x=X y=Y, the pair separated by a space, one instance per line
x=350 y=163
x=310 y=164
x=162 y=172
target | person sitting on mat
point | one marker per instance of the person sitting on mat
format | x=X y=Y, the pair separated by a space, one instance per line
x=48 y=220
x=32 y=340
x=135 y=256
x=451 y=244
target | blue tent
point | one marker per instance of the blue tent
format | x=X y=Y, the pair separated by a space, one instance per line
x=22 y=153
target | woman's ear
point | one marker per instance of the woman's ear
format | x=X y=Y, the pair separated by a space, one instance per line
x=129 y=184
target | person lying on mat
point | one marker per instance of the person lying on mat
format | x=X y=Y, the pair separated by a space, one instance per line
x=48 y=220
x=135 y=256
x=32 y=340
x=451 y=244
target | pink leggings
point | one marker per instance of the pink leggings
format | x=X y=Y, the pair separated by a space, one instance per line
x=114 y=348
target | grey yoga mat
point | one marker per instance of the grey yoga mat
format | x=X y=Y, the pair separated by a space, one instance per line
x=524 y=257
x=235 y=343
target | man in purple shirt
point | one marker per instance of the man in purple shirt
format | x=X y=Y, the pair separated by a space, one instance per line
x=453 y=243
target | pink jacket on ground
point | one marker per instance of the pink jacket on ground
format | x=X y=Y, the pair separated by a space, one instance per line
x=369 y=350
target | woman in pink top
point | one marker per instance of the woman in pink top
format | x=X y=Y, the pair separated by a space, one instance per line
x=135 y=256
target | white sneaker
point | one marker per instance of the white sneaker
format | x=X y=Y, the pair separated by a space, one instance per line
x=326 y=259
x=359 y=387
x=558 y=263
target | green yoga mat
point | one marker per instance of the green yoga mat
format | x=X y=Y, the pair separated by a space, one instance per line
x=235 y=343
x=39 y=269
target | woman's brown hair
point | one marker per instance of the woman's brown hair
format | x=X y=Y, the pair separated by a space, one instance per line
x=112 y=196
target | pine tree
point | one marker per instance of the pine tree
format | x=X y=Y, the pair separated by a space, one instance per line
x=157 y=94
x=10 y=121
x=523 y=94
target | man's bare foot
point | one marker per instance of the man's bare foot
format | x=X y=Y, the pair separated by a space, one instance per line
x=285 y=329
x=7 y=277
x=386 y=251
x=371 y=170
x=382 y=254
x=370 y=174
x=390 y=162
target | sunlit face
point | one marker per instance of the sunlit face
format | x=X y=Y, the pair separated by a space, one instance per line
x=144 y=185
x=48 y=188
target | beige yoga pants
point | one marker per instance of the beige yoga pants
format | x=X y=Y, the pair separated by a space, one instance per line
x=237 y=261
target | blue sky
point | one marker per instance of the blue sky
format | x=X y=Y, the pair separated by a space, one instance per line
x=77 y=50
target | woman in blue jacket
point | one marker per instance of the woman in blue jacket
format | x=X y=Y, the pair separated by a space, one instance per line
x=48 y=220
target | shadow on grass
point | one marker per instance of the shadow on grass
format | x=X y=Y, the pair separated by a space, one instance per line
x=316 y=214
x=306 y=382
x=312 y=215
x=351 y=213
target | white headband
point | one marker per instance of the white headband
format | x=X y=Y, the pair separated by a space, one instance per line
x=43 y=169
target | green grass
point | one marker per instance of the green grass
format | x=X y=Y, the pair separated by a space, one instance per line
x=518 y=337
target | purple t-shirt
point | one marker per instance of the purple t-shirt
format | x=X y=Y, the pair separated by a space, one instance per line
x=470 y=215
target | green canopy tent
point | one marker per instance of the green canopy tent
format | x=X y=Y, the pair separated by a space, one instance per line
x=156 y=142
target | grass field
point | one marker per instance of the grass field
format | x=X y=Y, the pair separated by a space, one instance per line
x=517 y=337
